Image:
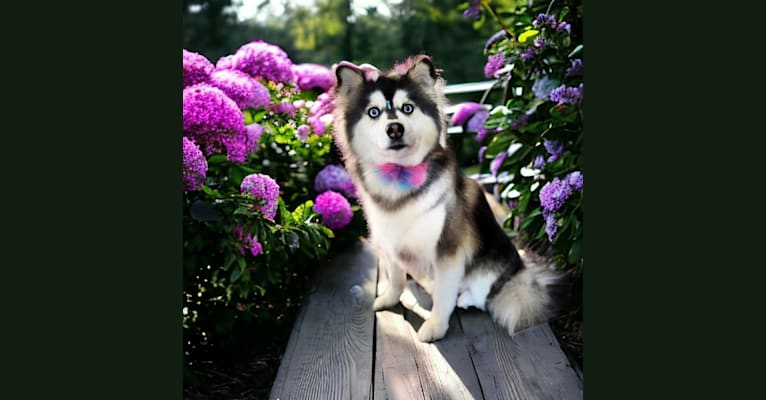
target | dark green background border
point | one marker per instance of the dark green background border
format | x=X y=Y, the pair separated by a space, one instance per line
x=92 y=201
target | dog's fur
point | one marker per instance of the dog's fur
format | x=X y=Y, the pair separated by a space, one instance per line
x=442 y=232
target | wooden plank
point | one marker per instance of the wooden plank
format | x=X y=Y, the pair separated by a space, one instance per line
x=528 y=365
x=408 y=369
x=329 y=355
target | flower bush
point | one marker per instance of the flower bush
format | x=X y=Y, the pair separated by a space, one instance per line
x=531 y=140
x=262 y=193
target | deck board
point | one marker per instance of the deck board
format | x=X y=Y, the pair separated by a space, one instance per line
x=341 y=349
x=329 y=353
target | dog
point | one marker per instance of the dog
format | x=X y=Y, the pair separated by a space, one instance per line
x=425 y=217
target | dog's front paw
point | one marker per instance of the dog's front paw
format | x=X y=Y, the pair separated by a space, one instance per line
x=432 y=330
x=383 y=302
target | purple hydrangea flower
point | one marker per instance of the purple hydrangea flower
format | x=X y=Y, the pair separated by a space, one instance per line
x=543 y=87
x=539 y=43
x=482 y=150
x=303 y=131
x=567 y=95
x=563 y=26
x=334 y=208
x=494 y=166
x=195 y=165
x=253 y=245
x=264 y=189
x=473 y=11
x=286 y=107
x=574 y=69
x=310 y=76
x=575 y=180
x=539 y=162
x=496 y=37
x=253 y=132
x=551 y=226
x=260 y=60
x=476 y=122
x=465 y=111
x=554 y=148
x=494 y=63
x=213 y=121
x=333 y=177
x=196 y=68
x=240 y=87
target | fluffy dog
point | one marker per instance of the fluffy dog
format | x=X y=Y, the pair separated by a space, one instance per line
x=425 y=217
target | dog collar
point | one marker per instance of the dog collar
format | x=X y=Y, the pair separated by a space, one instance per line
x=406 y=178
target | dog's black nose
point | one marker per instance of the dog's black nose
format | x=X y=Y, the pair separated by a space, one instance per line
x=395 y=130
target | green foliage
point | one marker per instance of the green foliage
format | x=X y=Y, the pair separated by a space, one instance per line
x=540 y=55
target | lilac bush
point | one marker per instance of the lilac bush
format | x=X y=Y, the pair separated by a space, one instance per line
x=532 y=138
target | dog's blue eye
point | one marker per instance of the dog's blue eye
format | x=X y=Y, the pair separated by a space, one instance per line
x=373 y=112
x=408 y=108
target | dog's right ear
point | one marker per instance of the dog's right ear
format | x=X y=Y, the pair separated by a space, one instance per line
x=349 y=77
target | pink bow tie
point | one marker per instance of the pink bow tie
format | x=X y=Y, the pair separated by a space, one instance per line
x=405 y=177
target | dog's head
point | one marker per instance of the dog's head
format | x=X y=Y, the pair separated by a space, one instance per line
x=393 y=117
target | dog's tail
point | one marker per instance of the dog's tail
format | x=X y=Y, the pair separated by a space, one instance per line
x=531 y=296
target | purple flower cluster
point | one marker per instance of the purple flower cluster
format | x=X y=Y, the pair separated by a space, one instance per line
x=528 y=53
x=543 y=87
x=195 y=165
x=494 y=166
x=539 y=162
x=303 y=131
x=333 y=177
x=494 y=63
x=249 y=242
x=465 y=111
x=554 y=194
x=260 y=60
x=476 y=122
x=253 y=245
x=574 y=69
x=214 y=121
x=240 y=87
x=554 y=148
x=310 y=76
x=567 y=95
x=253 y=132
x=264 y=189
x=474 y=10
x=320 y=113
x=196 y=68
x=334 y=208
x=544 y=20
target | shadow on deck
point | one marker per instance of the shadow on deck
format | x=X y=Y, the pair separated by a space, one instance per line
x=340 y=349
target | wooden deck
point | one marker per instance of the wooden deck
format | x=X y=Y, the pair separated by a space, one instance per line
x=340 y=349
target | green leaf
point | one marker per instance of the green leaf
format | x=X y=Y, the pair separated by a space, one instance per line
x=480 y=22
x=327 y=231
x=229 y=260
x=575 y=51
x=574 y=252
x=235 y=274
x=217 y=159
x=285 y=215
x=499 y=143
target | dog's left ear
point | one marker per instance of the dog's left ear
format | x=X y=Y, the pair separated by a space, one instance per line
x=423 y=72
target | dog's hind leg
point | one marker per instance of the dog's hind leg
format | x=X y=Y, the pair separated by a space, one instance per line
x=397 y=277
x=447 y=277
